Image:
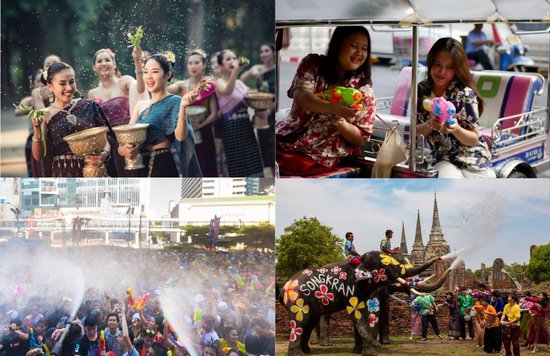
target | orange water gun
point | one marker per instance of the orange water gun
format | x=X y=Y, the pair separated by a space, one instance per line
x=131 y=299
x=142 y=301
x=349 y=96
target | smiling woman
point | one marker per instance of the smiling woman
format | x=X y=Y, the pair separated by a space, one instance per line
x=66 y=116
x=323 y=125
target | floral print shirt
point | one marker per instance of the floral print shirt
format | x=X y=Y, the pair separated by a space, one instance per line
x=313 y=134
x=446 y=146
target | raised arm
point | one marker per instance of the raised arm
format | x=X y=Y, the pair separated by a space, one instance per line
x=136 y=56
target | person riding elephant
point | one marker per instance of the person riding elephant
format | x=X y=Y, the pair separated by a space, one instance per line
x=314 y=292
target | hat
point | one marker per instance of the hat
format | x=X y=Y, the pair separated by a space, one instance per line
x=136 y=316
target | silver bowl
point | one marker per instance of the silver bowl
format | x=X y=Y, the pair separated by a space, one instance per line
x=196 y=114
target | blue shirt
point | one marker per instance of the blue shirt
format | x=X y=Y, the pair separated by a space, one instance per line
x=499 y=305
x=348 y=247
x=475 y=36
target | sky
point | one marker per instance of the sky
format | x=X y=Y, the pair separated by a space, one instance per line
x=163 y=190
x=489 y=218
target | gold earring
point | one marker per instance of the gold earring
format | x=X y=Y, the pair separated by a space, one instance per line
x=51 y=98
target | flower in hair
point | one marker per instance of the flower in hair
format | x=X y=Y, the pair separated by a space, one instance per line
x=45 y=74
x=170 y=56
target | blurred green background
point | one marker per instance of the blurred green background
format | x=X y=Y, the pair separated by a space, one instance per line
x=74 y=30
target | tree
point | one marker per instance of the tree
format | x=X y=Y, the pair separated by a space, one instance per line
x=306 y=243
x=259 y=236
x=538 y=269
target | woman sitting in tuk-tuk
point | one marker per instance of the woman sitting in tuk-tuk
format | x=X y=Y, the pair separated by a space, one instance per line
x=333 y=110
x=458 y=149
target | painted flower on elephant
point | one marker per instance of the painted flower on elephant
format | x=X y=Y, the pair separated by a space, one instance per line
x=387 y=259
x=373 y=319
x=289 y=292
x=294 y=331
x=379 y=275
x=336 y=269
x=405 y=267
x=343 y=275
x=322 y=270
x=299 y=309
x=307 y=272
x=373 y=305
x=355 y=307
x=323 y=294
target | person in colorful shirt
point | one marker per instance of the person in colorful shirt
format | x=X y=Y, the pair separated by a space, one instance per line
x=427 y=310
x=492 y=339
x=349 y=247
x=466 y=302
x=510 y=321
x=458 y=150
x=385 y=245
x=317 y=134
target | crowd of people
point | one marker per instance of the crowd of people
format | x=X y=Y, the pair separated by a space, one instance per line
x=209 y=303
x=492 y=319
x=229 y=144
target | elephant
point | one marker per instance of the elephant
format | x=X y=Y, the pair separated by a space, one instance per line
x=311 y=293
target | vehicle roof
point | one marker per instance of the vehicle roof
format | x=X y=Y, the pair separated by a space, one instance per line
x=407 y=12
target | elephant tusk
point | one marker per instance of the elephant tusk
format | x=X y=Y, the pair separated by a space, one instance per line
x=427 y=279
x=414 y=291
x=402 y=281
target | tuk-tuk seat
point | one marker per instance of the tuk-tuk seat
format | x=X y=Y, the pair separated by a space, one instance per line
x=505 y=94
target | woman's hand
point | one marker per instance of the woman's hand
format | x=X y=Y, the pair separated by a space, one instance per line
x=136 y=54
x=189 y=98
x=342 y=110
x=128 y=150
x=96 y=159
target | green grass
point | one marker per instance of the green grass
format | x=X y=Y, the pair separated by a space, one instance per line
x=402 y=346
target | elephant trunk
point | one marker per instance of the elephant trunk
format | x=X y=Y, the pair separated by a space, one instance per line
x=419 y=269
x=427 y=288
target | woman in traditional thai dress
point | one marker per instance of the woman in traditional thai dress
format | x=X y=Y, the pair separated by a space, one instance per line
x=168 y=124
x=206 y=150
x=241 y=148
x=63 y=117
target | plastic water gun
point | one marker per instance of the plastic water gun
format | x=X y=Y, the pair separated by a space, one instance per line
x=131 y=299
x=102 y=343
x=349 y=96
x=236 y=276
x=142 y=301
x=442 y=109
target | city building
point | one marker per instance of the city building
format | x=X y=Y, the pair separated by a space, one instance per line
x=224 y=187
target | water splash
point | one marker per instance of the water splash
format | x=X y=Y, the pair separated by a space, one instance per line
x=171 y=302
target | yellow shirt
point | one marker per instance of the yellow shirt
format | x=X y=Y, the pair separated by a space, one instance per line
x=512 y=312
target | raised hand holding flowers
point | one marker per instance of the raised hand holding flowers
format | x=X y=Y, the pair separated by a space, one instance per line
x=135 y=39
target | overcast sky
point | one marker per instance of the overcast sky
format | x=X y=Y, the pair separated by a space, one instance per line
x=491 y=218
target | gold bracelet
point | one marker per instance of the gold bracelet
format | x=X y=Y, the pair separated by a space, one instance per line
x=139 y=71
x=37 y=139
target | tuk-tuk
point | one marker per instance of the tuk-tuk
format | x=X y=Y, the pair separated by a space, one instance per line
x=516 y=128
